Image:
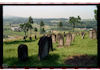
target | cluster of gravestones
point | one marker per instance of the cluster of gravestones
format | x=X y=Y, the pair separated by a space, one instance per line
x=82 y=34
x=59 y=38
x=45 y=43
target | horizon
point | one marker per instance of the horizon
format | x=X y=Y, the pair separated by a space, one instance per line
x=84 y=11
x=42 y=18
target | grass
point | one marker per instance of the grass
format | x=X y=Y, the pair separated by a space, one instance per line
x=56 y=58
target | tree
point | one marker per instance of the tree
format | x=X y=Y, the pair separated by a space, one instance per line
x=95 y=11
x=41 y=24
x=30 y=21
x=41 y=27
x=60 y=25
x=24 y=28
x=29 y=27
x=74 y=20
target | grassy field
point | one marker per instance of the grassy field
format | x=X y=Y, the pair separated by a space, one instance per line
x=56 y=58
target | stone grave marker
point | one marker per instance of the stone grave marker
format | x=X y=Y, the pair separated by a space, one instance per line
x=73 y=37
x=54 y=38
x=22 y=52
x=45 y=43
x=68 y=39
x=60 y=40
x=93 y=34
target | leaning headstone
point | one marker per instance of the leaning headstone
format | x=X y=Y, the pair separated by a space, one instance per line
x=68 y=39
x=73 y=37
x=53 y=38
x=45 y=43
x=22 y=52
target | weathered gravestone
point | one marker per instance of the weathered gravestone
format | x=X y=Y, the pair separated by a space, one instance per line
x=90 y=34
x=22 y=52
x=68 y=39
x=93 y=34
x=60 y=40
x=45 y=43
x=73 y=37
x=53 y=38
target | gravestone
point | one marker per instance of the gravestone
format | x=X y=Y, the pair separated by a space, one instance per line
x=73 y=37
x=64 y=34
x=58 y=36
x=60 y=40
x=53 y=38
x=24 y=38
x=68 y=39
x=45 y=43
x=35 y=37
x=83 y=35
x=30 y=38
x=93 y=34
x=22 y=52
x=90 y=34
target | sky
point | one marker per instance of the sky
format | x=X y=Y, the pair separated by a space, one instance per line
x=53 y=11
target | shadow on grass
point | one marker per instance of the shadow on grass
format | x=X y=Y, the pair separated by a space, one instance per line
x=18 y=41
x=82 y=61
x=32 y=61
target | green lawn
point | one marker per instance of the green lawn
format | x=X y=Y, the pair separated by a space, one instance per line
x=54 y=59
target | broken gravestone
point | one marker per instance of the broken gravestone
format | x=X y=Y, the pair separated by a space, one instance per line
x=45 y=43
x=22 y=52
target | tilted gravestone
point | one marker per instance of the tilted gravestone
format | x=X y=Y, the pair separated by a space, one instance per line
x=45 y=43
x=53 y=38
x=68 y=39
x=22 y=52
x=73 y=37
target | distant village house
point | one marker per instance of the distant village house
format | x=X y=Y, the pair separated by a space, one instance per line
x=15 y=28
